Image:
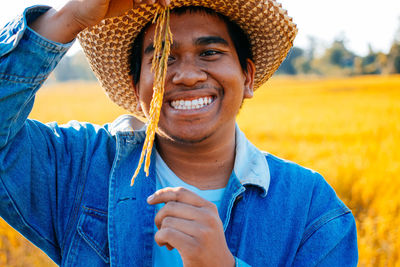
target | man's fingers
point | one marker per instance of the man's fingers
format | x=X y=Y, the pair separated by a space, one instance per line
x=190 y=224
x=178 y=194
x=151 y=2
x=167 y=2
x=188 y=227
x=164 y=3
x=177 y=210
x=174 y=238
x=117 y=8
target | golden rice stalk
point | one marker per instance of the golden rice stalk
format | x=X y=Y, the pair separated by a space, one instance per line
x=162 y=46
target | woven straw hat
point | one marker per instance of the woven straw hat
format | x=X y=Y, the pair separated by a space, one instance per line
x=271 y=32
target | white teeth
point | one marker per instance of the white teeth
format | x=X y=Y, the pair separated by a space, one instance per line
x=191 y=104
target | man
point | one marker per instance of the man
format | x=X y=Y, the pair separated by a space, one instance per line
x=212 y=198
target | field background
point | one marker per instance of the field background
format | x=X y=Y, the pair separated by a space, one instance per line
x=347 y=129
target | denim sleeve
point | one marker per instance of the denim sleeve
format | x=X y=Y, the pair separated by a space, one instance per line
x=334 y=243
x=28 y=183
x=26 y=60
x=330 y=237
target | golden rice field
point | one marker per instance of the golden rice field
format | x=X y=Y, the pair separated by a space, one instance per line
x=348 y=129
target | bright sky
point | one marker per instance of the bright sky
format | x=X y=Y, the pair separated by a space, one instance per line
x=362 y=22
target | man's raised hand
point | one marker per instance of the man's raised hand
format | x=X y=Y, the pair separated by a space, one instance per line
x=64 y=25
x=91 y=12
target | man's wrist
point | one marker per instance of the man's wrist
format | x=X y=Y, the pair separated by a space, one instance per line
x=57 y=25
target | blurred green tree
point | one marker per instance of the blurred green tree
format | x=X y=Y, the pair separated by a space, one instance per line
x=393 y=58
x=288 y=66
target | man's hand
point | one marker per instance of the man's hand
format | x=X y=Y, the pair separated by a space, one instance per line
x=64 y=25
x=192 y=225
x=90 y=12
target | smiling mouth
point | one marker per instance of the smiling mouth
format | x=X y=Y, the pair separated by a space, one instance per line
x=197 y=103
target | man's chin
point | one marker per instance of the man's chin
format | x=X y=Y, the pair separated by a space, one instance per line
x=181 y=139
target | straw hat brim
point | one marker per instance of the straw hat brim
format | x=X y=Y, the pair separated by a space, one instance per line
x=270 y=30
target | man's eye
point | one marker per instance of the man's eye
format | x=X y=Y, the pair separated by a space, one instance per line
x=210 y=53
x=171 y=59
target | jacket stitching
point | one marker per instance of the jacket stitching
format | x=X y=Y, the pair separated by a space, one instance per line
x=91 y=243
x=4 y=74
x=94 y=211
x=46 y=46
x=329 y=216
x=111 y=189
x=73 y=219
x=88 y=239
x=24 y=80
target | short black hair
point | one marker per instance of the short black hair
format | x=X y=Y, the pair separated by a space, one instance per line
x=238 y=36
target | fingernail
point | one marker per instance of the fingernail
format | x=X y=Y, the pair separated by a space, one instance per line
x=150 y=198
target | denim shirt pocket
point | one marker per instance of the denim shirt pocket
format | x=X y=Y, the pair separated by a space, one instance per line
x=92 y=227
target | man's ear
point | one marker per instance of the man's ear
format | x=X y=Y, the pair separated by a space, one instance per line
x=136 y=91
x=249 y=79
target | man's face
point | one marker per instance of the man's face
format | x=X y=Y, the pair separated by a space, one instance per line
x=205 y=84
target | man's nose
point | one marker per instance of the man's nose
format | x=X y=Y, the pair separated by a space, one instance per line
x=188 y=73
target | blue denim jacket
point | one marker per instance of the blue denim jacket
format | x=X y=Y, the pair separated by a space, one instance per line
x=67 y=188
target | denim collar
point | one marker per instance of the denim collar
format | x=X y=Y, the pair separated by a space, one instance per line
x=251 y=166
